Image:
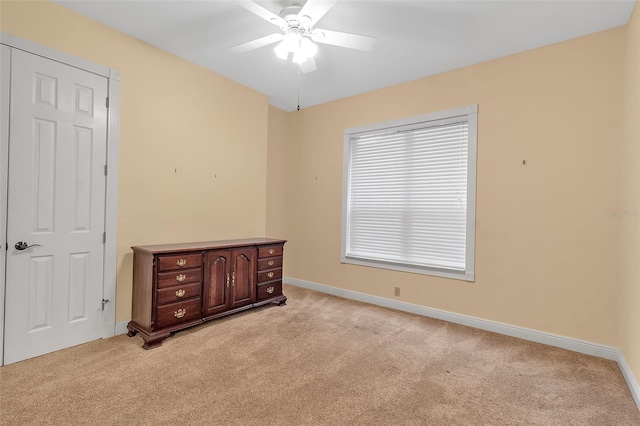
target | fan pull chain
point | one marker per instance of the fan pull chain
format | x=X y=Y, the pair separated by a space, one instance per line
x=298 y=87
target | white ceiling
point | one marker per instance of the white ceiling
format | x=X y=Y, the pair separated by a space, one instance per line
x=414 y=38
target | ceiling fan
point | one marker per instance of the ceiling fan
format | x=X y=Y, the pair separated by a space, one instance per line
x=297 y=23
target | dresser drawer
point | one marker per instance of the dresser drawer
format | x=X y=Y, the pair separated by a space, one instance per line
x=169 y=279
x=268 y=251
x=264 y=264
x=168 y=263
x=272 y=275
x=267 y=291
x=178 y=293
x=176 y=313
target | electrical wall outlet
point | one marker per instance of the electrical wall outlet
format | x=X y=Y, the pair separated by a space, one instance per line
x=396 y=291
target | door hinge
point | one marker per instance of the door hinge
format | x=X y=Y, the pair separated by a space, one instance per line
x=103 y=302
x=107 y=102
x=104 y=237
x=106 y=169
x=6 y=246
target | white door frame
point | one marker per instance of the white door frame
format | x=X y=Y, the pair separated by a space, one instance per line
x=7 y=42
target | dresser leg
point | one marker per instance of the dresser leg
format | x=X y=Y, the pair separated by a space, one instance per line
x=132 y=331
x=155 y=341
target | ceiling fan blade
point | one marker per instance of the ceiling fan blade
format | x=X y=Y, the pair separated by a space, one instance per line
x=337 y=38
x=315 y=9
x=265 y=14
x=259 y=42
x=308 y=66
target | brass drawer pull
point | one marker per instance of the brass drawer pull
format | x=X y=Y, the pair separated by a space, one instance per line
x=181 y=262
x=270 y=274
x=270 y=290
x=271 y=263
x=181 y=278
x=180 y=293
x=271 y=251
x=179 y=313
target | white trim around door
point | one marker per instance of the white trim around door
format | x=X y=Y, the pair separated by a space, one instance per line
x=5 y=81
x=8 y=42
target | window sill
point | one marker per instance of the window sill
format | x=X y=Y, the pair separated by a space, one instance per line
x=443 y=273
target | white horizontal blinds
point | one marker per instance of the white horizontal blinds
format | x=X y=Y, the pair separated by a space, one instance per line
x=408 y=194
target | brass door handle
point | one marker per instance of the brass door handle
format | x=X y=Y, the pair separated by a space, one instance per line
x=233 y=279
x=228 y=278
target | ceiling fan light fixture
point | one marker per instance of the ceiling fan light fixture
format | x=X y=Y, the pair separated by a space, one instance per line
x=291 y=41
x=305 y=50
x=281 y=50
x=308 y=48
x=301 y=47
x=298 y=58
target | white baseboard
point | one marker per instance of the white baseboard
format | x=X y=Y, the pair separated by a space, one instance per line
x=629 y=378
x=568 y=343
x=121 y=328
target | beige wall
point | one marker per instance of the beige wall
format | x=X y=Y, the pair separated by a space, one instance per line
x=629 y=341
x=546 y=253
x=277 y=201
x=174 y=116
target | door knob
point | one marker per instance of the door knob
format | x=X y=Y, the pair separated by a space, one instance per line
x=21 y=245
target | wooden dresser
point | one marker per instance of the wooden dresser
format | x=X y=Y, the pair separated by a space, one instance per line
x=176 y=286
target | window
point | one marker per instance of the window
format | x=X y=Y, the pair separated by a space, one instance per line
x=409 y=194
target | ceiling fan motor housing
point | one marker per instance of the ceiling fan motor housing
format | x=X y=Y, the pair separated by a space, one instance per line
x=294 y=21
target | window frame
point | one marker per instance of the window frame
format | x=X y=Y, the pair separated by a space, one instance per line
x=470 y=113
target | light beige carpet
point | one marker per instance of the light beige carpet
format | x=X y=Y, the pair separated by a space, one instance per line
x=319 y=360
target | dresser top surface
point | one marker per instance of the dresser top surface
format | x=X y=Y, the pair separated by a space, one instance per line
x=205 y=245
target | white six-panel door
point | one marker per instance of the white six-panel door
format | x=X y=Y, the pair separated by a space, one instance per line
x=56 y=202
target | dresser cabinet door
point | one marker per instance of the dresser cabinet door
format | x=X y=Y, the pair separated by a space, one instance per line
x=243 y=277
x=217 y=282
